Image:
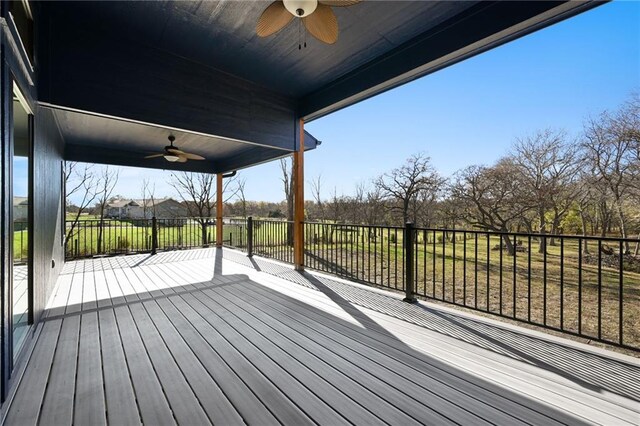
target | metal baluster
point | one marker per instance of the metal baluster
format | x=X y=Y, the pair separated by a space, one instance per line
x=515 y=272
x=561 y=283
x=475 y=267
x=620 y=296
x=464 y=269
x=488 y=268
x=579 y=285
x=599 y=289
x=500 y=296
x=529 y=280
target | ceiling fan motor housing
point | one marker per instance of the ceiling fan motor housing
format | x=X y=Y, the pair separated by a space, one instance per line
x=300 y=8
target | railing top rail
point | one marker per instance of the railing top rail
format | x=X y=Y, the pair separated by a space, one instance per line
x=353 y=225
x=491 y=232
x=534 y=234
x=272 y=220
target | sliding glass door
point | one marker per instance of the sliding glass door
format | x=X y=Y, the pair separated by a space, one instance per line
x=22 y=221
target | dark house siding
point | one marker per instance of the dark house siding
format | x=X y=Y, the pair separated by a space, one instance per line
x=48 y=208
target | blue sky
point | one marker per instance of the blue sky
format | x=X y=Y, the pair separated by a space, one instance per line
x=468 y=113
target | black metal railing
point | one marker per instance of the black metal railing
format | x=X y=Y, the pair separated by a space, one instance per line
x=585 y=286
x=96 y=237
x=20 y=242
x=574 y=284
x=273 y=239
x=235 y=232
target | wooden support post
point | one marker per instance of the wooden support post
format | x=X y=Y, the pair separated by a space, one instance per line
x=219 y=210
x=298 y=201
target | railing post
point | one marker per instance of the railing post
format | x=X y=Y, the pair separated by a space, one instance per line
x=408 y=263
x=154 y=235
x=250 y=236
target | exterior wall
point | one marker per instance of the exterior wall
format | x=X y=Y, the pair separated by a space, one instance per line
x=47 y=204
x=170 y=209
x=48 y=213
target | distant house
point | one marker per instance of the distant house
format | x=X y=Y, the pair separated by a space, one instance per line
x=20 y=209
x=121 y=208
x=141 y=209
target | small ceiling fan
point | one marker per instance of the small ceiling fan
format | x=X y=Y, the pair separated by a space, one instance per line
x=316 y=15
x=175 y=155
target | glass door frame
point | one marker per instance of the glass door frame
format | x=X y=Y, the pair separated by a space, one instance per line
x=14 y=359
x=30 y=234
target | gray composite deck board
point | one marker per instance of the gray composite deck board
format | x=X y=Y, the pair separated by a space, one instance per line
x=249 y=406
x=289 y=412
x=192 y=338
x=25 y=407
x=183 y=402
x=313 y=380
x=89 y=407
x=119 y=393
x=213 y=400
x=396 y=405
x=58 y=402
x=152 y=402
x=484 y=403
x=428 y=396
x=272 y=398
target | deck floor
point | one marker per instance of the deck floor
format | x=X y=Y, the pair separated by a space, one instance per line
x=206 y=336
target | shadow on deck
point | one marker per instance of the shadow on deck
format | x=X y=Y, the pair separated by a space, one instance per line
x=208 y=336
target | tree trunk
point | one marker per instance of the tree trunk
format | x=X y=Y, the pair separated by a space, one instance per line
x=508 y=244
x=554 y=231
x=542 y=248
x=623 y=227
x=583 y=223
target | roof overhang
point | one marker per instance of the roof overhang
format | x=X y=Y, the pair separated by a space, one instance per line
x=120 y=76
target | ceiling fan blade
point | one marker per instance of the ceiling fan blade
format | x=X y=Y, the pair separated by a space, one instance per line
x=181 y=159
x=339 y=3
x=154 y=156
x=191 y=156
x=273 y=19
x=175 y=151
x=322 y=24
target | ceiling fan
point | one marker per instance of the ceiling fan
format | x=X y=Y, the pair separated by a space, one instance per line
x=316 y=15
x=175 y=155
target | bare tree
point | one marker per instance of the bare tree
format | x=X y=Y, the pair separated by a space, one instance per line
x=241 y=196
x=403 y=184
x=546 y=166
x=148 y=206
x=609 y=146
x=197 y=192
x=286 y=165
x=80 y=183
x=490 y=197
x=374 y=207
x=316 y=189
x=107 y=182
x=148 y=199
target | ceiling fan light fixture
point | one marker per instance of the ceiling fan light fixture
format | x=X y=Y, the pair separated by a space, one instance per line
x=300 y=8
x=171 y=158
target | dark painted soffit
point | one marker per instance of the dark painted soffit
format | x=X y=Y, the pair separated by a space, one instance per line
x=382 y=44
x=108 y=140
